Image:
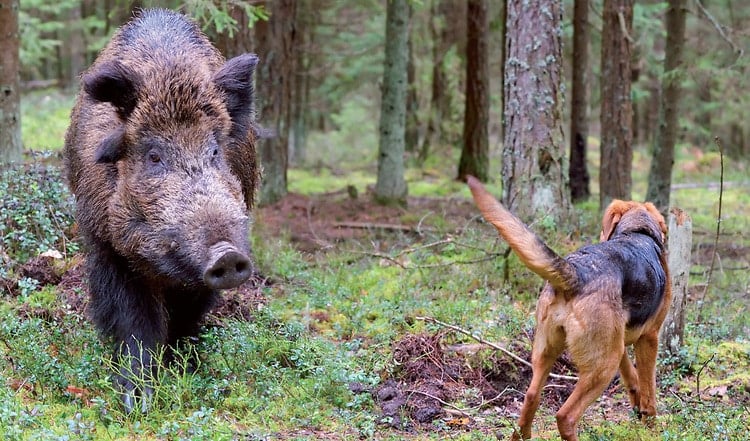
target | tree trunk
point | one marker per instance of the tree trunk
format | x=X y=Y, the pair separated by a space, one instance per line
x=390 y=187
x=306 y=17
x=446 y=33
x=475 y=152
x=412 y=103
x=579 y=173
x=616 y=108
x=74 y=47
x=275 y=47
x=534 y=161
x=680 y=242
x=10 y=89
x=438 y=24
x=660 y=176
x=503 y=60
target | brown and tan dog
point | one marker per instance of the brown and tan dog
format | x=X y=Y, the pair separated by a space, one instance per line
x=597 y=300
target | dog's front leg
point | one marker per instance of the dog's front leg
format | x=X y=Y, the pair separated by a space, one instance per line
x=645 y=359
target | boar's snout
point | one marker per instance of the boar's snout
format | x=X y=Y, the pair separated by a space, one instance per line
x=227 y=267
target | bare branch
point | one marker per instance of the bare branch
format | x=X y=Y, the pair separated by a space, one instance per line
x=720 y=29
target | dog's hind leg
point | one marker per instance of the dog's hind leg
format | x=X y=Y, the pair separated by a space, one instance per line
x=593 y=379
x=596 y=347
x=629 y=377
x=543 y=356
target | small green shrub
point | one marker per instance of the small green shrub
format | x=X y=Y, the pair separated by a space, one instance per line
x=36 y=212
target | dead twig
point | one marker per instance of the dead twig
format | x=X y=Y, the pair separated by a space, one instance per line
x=698 y=375
x=718 y=229
x=490 y=344
x=624 y=28
x=719 y=29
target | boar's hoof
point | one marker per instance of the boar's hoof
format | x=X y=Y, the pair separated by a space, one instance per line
x=227 y=267
x=132 y=399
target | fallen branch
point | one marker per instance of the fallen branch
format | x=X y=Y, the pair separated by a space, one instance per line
x=379 y=226
x=490 y=344
x=443 y=402
x=692 y=185
x=395 y=259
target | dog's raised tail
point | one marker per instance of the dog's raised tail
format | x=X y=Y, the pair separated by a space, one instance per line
x=534 y=253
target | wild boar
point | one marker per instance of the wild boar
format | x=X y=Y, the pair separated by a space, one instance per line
x=160 y=155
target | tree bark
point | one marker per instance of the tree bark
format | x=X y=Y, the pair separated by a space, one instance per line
x=275 y=83
x=534 y=168
x=390 y=187
x=412 y=103
x=443 y=30
x=475 y=152
x=579 y=173
x=660 y=175
x=10 y=89
x=672 y=330
x=616 y=108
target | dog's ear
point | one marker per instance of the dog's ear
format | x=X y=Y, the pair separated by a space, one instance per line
x=656 y=215
x=612 y=216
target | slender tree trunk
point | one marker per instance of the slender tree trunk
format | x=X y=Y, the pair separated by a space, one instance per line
x=275 y=47
x=660 y=176
x=534 y=161
x=301 y=96
x=74 y=47
x=390 y=187
x=439 y=81
x=579 y=173
x=476 y=150
x=10 y=90
x=503 y=60
x=412 y=102
x=616 y=108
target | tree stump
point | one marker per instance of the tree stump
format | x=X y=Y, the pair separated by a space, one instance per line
x=679 y=244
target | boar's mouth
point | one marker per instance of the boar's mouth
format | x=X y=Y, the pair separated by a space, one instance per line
x=227 y=267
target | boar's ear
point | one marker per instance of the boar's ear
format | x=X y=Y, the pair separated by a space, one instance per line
x=235 y=78
x=113 y=83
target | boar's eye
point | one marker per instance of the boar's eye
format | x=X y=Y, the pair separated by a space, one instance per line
x=154 y=157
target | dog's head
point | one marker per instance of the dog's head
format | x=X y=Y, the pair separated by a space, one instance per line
x=622 y=216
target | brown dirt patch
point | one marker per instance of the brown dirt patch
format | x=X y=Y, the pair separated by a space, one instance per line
x=320 y=221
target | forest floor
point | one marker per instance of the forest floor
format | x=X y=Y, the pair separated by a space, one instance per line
x=438 y=383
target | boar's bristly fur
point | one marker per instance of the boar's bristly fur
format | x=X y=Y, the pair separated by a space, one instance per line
x=160 y=155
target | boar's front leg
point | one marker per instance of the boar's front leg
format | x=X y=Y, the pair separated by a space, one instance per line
x=124 y=307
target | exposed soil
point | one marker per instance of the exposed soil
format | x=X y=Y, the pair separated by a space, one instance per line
x=317 y=222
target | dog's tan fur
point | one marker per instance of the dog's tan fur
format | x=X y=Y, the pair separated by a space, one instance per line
x=587 y=315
